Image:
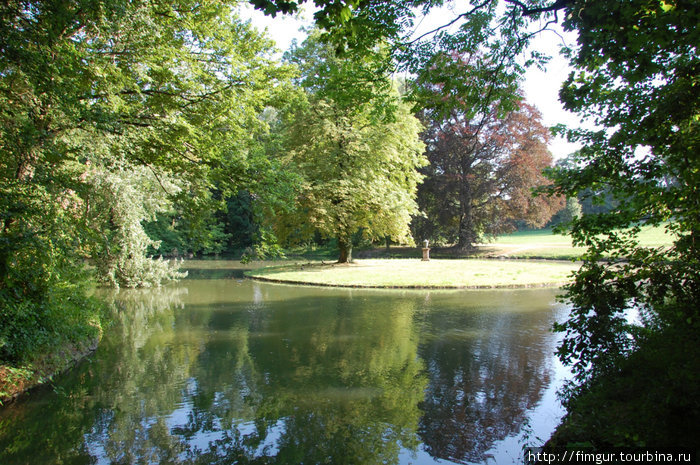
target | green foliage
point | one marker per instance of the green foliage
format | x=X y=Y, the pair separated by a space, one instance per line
x=42 y=300
x=349 y=80
x=38 y=321
x=174 y=87
x=490 y=36
x=592 y=200
x=359 y=174
x=566 y=215
x=107 y=109
x=122 y=201
x=240 y=217
x=195 y=219
x=642 y=93
x=355 y=146
x=164 y=233
x=642 y=90
x=12 y=377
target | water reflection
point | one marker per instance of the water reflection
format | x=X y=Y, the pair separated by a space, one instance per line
x=232 y=371
x=483 y=379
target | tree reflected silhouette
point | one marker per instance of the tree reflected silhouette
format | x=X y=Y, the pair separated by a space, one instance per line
x=481 y=383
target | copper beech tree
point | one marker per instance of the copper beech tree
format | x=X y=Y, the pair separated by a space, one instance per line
x=481 y=175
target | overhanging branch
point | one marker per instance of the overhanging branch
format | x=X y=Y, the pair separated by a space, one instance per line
x=527 y=11
x=444 y=26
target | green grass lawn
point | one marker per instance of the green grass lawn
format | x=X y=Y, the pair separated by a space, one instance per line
x=417 y=273
x=544 y=244
x=538 y=244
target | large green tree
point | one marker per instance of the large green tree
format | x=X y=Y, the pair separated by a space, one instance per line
x=89 y=87
x=356 y=147
x=173 y=86
x=359 y=175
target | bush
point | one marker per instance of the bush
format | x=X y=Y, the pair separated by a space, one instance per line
x=50 y=319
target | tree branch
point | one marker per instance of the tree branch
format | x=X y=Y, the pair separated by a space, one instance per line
x=527 y=11
x=439 y=28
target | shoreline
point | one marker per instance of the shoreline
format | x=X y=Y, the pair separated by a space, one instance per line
x=50 y=365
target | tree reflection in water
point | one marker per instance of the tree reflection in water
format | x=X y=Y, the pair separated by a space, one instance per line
x=482 y=382
x=226 y=371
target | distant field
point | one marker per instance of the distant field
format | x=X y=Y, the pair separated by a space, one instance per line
x=544 y=244
x=420 y=274
x=528 y=244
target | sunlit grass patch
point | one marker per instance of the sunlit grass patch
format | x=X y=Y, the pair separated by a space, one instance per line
x=428 y=274
x=545 y=244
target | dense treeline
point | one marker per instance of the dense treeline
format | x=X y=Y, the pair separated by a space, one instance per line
x=337 y=141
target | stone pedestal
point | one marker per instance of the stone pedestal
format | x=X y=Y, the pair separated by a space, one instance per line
x=426 y=254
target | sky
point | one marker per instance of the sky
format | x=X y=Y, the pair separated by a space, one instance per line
x=541 y=87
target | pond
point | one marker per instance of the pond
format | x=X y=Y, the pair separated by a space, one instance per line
x=218 y=369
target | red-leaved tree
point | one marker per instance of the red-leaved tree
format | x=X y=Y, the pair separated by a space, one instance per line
x=481 y=175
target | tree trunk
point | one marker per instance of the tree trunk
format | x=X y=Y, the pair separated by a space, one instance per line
x=466 y=236
x=345 y=247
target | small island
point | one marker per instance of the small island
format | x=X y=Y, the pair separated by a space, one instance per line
x=417 y=274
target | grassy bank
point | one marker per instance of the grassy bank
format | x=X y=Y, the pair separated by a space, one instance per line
x=43 y=337
x=419 y=274
x=544 y=244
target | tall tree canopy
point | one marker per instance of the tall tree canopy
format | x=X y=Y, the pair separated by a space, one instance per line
x=491 y=32
x=481 y=174
x=86 y=86
x=357 y=149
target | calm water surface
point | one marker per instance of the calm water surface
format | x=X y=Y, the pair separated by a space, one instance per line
x=218 y=369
